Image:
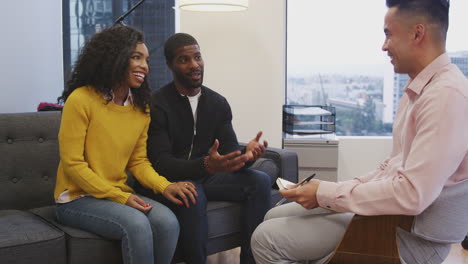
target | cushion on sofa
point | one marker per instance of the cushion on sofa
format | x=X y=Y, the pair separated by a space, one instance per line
x=82 y=246
x=29 y=157
x=26 y=238
x=224 y=218
x=85 y=247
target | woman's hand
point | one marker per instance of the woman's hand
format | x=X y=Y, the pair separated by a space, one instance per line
x=138 y=203
x=184 y=191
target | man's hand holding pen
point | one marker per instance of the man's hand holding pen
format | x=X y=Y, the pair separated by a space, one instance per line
x=306 y=195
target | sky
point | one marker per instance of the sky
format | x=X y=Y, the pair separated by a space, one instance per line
x=324 y=38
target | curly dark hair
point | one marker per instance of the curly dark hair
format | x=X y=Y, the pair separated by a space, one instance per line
x=103 y=64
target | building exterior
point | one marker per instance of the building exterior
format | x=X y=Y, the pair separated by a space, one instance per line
x=461 y=60
x=83 y=18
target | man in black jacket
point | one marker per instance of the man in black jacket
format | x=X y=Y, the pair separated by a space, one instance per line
x=191 y=138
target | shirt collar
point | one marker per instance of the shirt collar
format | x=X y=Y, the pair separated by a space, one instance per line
x=194 y=96
x=417 y=84
x=127 y=101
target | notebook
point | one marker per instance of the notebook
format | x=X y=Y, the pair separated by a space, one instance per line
x=283 y=184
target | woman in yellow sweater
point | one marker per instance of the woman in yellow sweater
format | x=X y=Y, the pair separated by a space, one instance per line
x=102 y=136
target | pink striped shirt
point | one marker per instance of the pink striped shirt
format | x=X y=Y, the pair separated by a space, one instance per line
x=430 y=149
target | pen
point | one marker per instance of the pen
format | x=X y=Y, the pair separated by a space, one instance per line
x=306 y=180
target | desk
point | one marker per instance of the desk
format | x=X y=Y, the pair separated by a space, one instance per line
x=316 y=154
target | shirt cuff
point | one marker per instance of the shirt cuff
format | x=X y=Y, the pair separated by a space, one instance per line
x=326 y=195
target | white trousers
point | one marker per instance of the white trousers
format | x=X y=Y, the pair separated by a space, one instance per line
x=292 y=234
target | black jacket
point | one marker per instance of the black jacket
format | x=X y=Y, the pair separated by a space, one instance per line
x=171 y=132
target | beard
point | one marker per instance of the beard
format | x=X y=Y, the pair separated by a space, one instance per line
x=187 y=82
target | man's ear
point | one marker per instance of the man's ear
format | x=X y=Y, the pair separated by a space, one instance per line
x=419 y=32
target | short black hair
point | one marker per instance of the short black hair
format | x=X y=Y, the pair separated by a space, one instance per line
x=176 y=41
x=436 y=11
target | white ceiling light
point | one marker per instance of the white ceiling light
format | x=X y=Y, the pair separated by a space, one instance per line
x=214 y=5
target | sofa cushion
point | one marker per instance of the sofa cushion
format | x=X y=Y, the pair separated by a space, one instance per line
x=26 y=238
x=82 y=246
x=85 y=247
x=224 y=218
x=29 y=157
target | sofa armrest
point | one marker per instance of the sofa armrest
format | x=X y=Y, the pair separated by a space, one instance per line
x=285 y=160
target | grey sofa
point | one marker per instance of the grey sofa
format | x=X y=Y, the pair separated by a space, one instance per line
x=28 y=230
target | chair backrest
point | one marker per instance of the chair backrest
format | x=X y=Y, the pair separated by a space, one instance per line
x=445 y=220
x=373 y=239
x=29 y=157
x=370 y=240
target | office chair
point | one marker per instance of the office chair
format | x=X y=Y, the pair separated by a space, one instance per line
x=376 y=239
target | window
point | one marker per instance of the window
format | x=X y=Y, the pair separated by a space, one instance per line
x=334 y=57
x=83 y=18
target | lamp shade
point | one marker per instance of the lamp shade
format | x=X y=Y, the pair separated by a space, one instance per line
x=214 y=5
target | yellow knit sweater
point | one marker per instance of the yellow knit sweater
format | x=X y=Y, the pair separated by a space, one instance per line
x=98 y=142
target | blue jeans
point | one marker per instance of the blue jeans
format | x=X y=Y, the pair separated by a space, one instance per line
x=250 y=187
x=146 y=238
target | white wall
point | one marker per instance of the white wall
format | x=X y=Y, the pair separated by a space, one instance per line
x=359 y=155
x=30 y=54
x=244 y=55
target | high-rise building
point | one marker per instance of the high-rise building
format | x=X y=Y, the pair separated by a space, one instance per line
x=460 y=59
x=156 y=18
x=399 y=82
